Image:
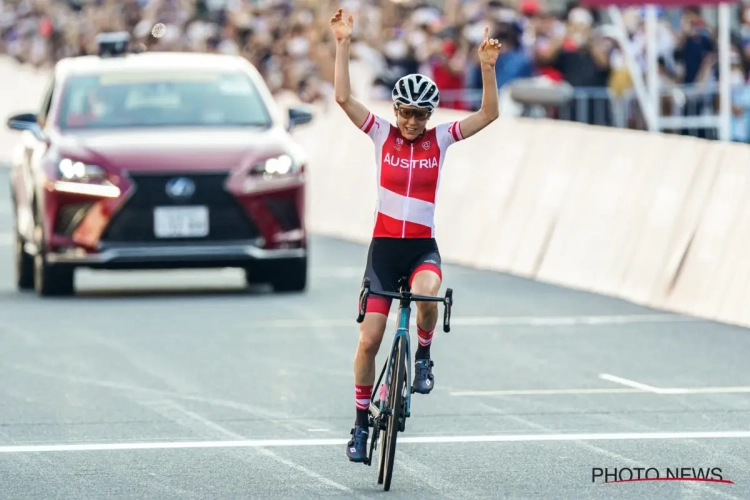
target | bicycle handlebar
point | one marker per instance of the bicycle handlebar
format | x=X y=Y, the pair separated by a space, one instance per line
x=447 y=300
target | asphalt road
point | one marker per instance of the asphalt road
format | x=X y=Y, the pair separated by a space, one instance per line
x=182 y=385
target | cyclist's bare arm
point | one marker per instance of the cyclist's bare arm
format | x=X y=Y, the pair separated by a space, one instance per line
x=355 y=110
x=490 y=109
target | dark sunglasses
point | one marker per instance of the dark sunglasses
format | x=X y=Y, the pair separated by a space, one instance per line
x=419 y=114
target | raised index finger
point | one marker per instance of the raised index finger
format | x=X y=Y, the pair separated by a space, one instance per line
x=486 y=33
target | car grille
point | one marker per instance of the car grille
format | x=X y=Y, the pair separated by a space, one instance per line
x=285 y=212
x=134 y=223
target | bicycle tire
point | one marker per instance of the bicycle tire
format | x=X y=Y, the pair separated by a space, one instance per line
x=396 y=402
x=383 y=438
x=383 y=433
x=381 y=458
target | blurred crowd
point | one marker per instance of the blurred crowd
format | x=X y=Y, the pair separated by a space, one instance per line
x=290 y=42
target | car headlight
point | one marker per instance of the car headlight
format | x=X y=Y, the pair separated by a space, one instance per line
x=80 y=178
x=78 y=171
x=274 y=167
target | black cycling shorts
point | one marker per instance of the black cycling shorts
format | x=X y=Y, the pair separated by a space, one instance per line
x=390 y=259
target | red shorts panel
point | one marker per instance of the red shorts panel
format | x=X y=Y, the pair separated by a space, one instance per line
x=426 y=266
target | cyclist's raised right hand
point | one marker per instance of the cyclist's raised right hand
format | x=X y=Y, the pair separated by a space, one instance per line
x=342 y=28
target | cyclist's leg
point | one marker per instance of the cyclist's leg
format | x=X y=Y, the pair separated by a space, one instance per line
x=426 y=279
x=371 y=333
x=381 y=271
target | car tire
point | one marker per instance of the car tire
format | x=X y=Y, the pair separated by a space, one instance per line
x=287 y=275
x=23 y=265
x=51 y=280
x=291 y=277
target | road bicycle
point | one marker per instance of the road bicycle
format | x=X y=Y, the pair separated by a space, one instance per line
x=388 y=413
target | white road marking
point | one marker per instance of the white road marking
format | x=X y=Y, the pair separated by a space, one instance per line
x=272 y=417
x=277 y=443
x=562 y=392
x=544 y=392
x=705 y=390
x=628 y=383
x=270 y=454
x=489 y=321
x=634 y=388
x=592 y=447
x=569 y=320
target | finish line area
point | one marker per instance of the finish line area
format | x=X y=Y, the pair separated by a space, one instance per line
x=460 y=443
x=635 y=388
x=179 y=385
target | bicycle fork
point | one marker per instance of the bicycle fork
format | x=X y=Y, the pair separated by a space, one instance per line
x=381 y=386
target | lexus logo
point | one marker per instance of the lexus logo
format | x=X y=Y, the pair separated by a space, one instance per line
x=180 y=188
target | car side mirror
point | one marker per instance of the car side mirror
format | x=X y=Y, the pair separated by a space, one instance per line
x=299 y=115
x=27 y=121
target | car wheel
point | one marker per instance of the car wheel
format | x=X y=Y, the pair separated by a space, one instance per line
x=51 y=279
x=23 y=265
x=291 y=276
x=288 y=275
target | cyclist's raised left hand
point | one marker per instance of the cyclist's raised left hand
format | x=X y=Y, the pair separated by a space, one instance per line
x=489 y=49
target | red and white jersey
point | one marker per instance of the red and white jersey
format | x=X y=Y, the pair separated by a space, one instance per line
x=408 y=176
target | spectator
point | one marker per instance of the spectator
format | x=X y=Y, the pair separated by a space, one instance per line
x=290 y=44
x=447 y=67
x=512 y=63
x=583 y=60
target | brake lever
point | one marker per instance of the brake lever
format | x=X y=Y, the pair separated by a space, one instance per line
x=447 y=314
x=364 y=292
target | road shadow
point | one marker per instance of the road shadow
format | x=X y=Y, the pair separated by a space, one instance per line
x=148 y=293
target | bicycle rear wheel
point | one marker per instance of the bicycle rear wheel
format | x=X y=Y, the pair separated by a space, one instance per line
x=396 y=395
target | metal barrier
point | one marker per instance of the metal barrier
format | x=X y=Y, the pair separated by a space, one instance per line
x=689 y=110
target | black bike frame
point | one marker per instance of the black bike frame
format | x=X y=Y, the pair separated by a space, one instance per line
x=405 y=298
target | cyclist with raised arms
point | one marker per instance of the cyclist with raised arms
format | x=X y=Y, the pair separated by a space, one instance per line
x=409 y=158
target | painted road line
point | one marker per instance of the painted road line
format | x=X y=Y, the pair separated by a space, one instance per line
x=491 y=321
x=277 y=443
x=544 y=392
x=572 y=392
x=628 y=383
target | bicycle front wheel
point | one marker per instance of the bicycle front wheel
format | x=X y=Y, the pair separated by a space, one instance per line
x=396 y=397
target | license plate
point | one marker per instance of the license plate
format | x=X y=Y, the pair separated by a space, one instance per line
x=181 y=222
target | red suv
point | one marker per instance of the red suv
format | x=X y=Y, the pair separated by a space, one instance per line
x=158 y=161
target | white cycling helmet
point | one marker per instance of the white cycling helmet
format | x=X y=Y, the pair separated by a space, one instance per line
x=416 y=90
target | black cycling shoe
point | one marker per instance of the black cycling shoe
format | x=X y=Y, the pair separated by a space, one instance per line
x=356 y=448
x=424 y=381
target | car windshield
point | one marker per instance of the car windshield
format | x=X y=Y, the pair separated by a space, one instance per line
x=168 y=99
